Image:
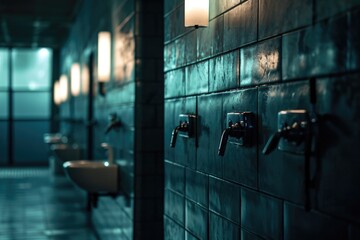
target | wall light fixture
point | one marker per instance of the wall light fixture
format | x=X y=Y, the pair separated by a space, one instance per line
x=85 y=79
x=196 y=13
x=57 y=93
x=63 y=82
x=104 y=59
x=75 y=79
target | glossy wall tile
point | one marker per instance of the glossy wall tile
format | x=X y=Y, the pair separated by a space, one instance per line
x=280 y=173
x=338 y=102
x=259 y=56
x=273 y=15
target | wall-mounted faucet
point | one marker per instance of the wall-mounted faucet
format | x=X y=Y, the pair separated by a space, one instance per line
x=186 y=127
x=298 y=133
x=295 y=135
x=241 y=127
x=110 y=152
x=114 y=123
x=292 y=134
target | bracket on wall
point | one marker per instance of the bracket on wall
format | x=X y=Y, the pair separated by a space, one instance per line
x=186 y=128
x=240 y=127
x=102 y=89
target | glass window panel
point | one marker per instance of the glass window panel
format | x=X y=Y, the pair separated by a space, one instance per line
x=31 y=105
x=3 y=143
x=4 y=68
x=31 y=68
x=4 y=102
x=28 y=143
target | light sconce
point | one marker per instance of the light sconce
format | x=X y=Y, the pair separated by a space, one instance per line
x=63 y=83
x=75 y=79
x=104 y=59
x=85 y=79
x=57 y=93
x=196 y=13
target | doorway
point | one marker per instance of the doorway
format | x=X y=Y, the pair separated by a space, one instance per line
x=90 y=111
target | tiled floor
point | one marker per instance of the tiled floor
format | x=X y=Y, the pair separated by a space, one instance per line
x=36 y=205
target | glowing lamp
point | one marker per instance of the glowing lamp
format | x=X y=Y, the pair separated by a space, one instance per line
x=85 y=79
x=57 y=93
x=104 y=56
x=75 y=79
x=63 y=87
x=196 y=13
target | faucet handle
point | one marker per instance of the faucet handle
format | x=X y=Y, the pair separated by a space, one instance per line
x=292 y=133
x=240 y=127
x=174 y=136
x=114 y=123
x=272 y=143
x=223 y=141
x=182 y=127
x=186 y=126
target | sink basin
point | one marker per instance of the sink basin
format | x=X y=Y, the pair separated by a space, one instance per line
x=61 y=153
x=66 y=152
x=93 y=176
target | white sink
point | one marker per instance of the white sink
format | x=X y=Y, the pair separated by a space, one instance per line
x=93 y=176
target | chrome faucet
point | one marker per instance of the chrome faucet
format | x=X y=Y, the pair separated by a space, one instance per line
x=114 y=123
x=110 y=152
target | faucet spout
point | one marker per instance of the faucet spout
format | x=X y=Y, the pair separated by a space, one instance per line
x=183 y=127
x=223 y=141
x=110 y=152
x=113 y=125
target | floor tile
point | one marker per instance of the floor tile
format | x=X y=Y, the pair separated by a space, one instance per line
x=36 y=205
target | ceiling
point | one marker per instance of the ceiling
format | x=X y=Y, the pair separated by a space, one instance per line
x=36 y=23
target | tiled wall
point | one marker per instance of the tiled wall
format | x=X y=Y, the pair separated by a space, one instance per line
x=258 y=55
x=135 y=94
